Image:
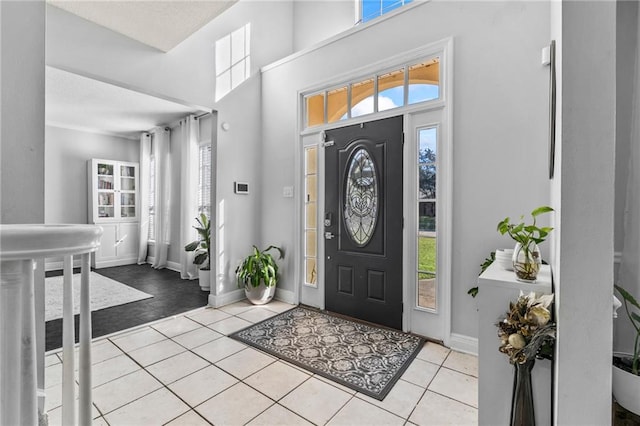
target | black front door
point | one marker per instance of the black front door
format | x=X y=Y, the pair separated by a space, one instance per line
x=363 y=221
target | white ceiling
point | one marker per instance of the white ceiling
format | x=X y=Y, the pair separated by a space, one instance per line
x=160 y=24
x=81 y=103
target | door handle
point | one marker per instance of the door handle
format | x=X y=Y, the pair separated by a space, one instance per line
x=328 y=235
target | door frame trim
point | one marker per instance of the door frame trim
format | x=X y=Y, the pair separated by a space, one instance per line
x=306 y=138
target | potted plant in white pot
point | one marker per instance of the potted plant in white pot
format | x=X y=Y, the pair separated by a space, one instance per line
x=202 y=249
x=258 y=274
x=626 y=367
x=526 y=254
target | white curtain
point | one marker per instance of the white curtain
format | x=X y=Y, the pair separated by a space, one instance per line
x=161 y=155
x=189 y=147
x=629 y=272
x=143 y=202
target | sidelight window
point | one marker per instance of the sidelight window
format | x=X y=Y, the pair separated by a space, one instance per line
x=427 y=247
x=311 y=214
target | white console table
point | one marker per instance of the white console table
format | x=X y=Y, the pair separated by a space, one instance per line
x=22 y=247
x=496 y=288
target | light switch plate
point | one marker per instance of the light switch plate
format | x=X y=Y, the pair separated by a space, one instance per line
x=287 y=191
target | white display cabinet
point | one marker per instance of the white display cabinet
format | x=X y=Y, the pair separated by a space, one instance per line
x=496 y=288
x=113 y=204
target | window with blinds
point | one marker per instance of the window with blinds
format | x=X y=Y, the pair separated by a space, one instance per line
x=152 y=199
x=204 y=184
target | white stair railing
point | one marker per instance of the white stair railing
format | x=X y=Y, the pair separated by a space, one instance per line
x=22 y=320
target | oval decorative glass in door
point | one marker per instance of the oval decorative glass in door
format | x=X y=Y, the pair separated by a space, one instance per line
x=361 y=197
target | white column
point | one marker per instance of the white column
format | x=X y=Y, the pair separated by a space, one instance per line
x=68 y=343
x=85 y=343
x=582 y=193
x=22 y=65
x=38 y=292
x=17 y=345
x=29 y=399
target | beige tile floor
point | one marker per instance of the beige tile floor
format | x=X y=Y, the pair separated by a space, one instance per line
x=185 y=371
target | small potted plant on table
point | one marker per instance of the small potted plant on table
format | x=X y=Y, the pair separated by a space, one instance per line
x=258 y=274
x=526 y=254
x=202 y=249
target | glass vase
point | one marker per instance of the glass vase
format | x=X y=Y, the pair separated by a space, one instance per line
x=522 y=412
x=526 y=262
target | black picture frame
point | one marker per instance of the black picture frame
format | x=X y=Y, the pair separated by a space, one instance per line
x=552 y=108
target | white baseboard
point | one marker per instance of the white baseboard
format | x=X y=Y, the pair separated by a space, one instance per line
x=462 y=343
x=227 y=298
x=285 y=296
x=174 y=266
x=116 y=262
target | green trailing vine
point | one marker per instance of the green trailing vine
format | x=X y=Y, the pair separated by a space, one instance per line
x=473 y=291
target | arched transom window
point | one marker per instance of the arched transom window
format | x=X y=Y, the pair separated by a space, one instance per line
x=400 y=86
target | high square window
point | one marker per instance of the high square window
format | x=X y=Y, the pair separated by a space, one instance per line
x=233 y=60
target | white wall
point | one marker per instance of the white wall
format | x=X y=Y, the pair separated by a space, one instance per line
x=315 y=21
x=583 y=195
x=22 y=111
x=499 y=123
x=67 y=152
x=187 y=72
x=238 y=160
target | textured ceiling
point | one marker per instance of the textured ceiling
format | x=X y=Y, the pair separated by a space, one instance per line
x=81 y=103
x=160 y=24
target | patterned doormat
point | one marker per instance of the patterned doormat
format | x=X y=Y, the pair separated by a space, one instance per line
x=363 y=357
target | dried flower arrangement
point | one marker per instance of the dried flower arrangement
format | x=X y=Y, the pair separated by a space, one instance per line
x=526 y=331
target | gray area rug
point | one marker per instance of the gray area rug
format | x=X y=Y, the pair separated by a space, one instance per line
x=363 y=357
x=105 y=293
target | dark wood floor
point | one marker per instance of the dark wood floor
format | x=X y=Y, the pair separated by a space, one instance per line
x=171 y=296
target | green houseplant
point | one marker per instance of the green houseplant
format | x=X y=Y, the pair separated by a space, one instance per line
x=626 y=367
x=258 y=274
x=526 y=254
x=473 y=291
x=202 y=250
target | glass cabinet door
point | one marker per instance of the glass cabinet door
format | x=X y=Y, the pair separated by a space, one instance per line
x=127 y=191
x=106 y=190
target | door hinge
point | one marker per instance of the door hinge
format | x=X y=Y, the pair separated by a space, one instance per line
x=402 y=307
x=402 y=138
x=325 y=142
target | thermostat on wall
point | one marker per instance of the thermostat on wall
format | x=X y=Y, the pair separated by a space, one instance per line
x=241 y=187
